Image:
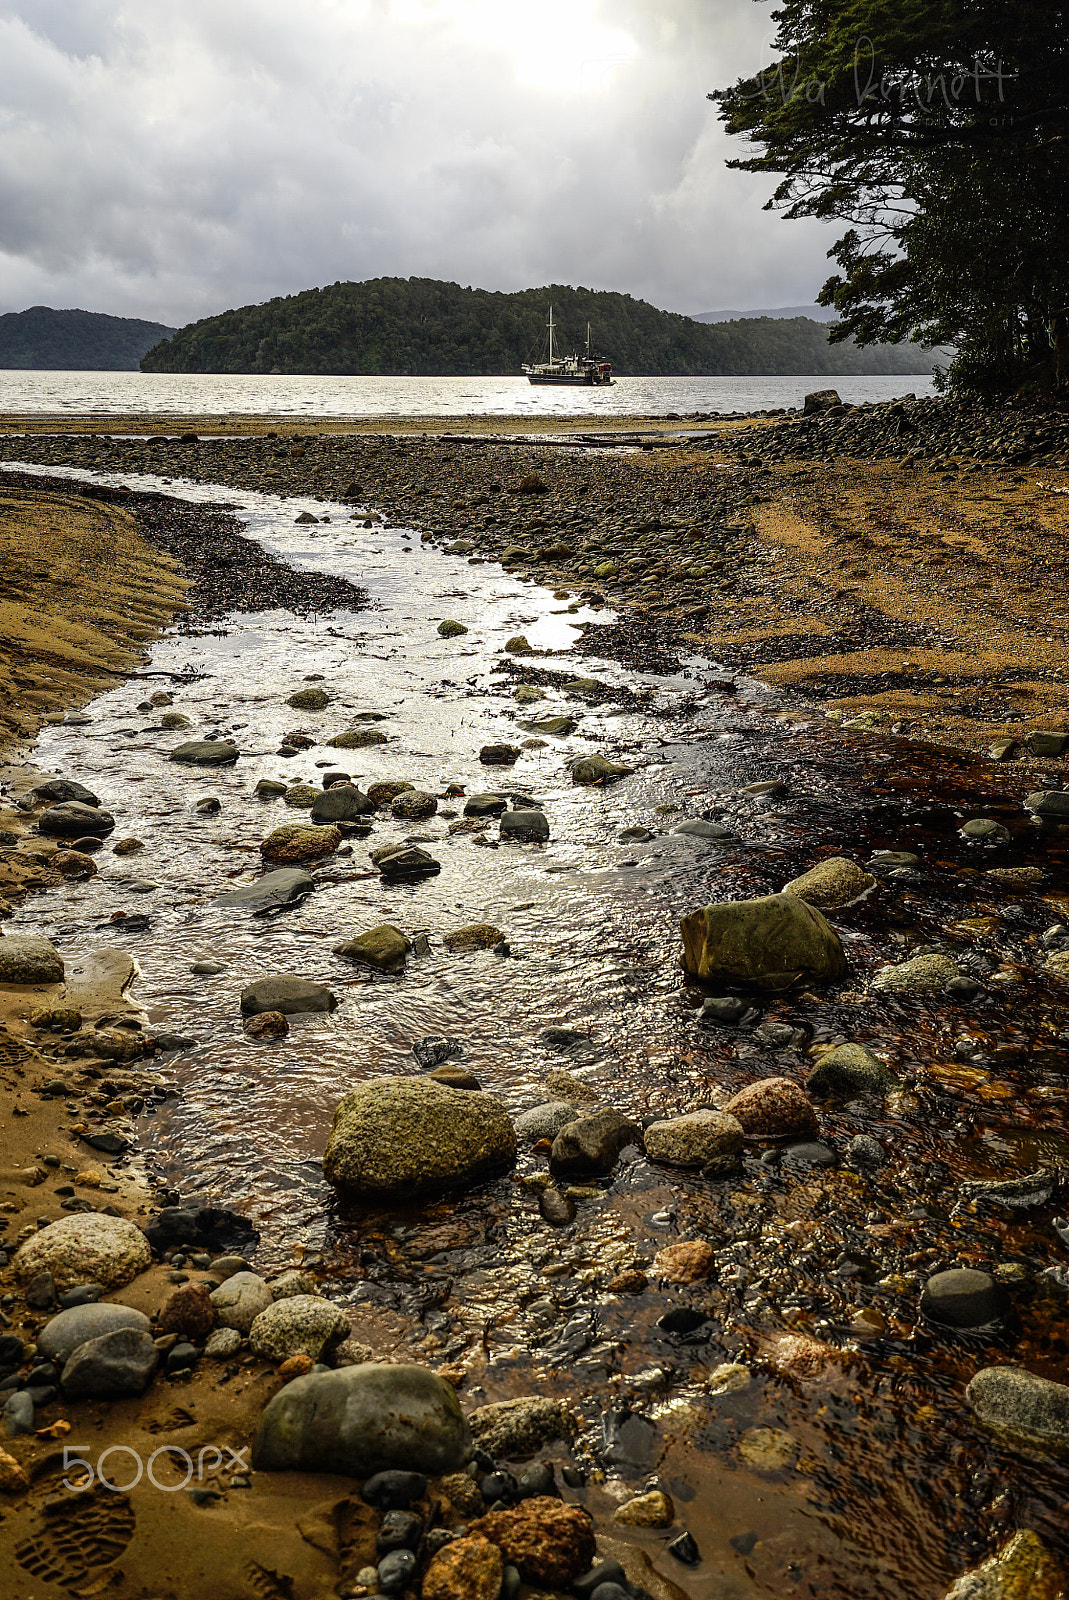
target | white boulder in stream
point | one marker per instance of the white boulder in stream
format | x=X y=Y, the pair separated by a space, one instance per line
x=393 y=1138
x=360 y=1420
x=767 y=943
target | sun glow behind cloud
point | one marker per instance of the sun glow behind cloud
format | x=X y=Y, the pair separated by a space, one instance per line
x=555 y=45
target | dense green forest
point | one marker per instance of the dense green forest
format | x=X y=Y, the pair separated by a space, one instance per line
x=75 y=341
x=419 y=326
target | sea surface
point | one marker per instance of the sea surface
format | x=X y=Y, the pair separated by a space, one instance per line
x=197 y=394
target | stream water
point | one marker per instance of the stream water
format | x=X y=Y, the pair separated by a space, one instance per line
x=890 y=1489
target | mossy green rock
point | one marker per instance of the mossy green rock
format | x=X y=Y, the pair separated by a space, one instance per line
x=767 y=943
x=26 y=958
x=560 y=727
x=309 y=700
x=598 y=769
x=1022 y=1570
x=451 y=630
x=357 y=739
x=270 y=788
x=377 y=1417
x=394 y=1138
x=302 y=795
x=850 y=1069
x=384 y=948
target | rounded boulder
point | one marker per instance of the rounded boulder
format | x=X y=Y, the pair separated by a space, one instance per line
x=375 y=1417
x=766 y=943
x=397 y=1137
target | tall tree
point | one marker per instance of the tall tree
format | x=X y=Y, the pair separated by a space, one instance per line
x=938 y=131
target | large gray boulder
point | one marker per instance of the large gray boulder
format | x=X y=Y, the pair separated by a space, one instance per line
x=1022 y=1408
x=118 y=1363
x=765 y=943
x=362 y=1420
x=54 y=791
x=279 y=888
x=287 y=994
x=527 y=827
x=72 y=819
x=206 y=753
x=62 y=1334
x=85 y=1248
x=393 y=1138
x=344 y=803
x=25 y=958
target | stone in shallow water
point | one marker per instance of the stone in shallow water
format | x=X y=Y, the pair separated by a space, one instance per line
x=923 y=974
x=1053 y=803
x=695 y=1139
x=286 y=993
x=404 y=861
x=361 y=1420
x=55 y=791
x=592 y=1144
x=309 y=700
x=773 y=1108
x=698 y=828
x=279 y=888
x=1024 y=1409
x=768 y=1450
x=399 y=1137
x=296 y=841
x=357 y=739
x=528 y=827
x=962 y=1298
x=517 y=1428
x=847 y=1070
x=205 y=753
x=414 y=805
x=485 y=805
x=691 y=1261
x=73 y=819
x=768 y=942
x=476 y=936
x=831 y=883
x=343 y=803
x=598 y=769
x=548 y=1542
x=499 y=755
x=383 y=948
x=301 y=1324
x=464 y=1569
x=240 y=1299
x=1022 y=1570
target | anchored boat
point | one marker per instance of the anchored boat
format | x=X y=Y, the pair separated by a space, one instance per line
x=574 y=369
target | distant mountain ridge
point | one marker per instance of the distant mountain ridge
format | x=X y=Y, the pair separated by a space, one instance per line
x=75 y=341
x=424 y=327
x=814 y=314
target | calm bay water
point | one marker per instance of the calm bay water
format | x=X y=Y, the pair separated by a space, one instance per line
x=199 y=394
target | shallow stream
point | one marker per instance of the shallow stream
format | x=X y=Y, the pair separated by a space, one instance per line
x=888 y=1489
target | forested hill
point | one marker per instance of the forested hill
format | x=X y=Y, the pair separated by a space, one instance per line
x=419 y=326
x=75 y=341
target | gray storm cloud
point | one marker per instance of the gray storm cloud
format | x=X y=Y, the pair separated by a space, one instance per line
x=170 y=162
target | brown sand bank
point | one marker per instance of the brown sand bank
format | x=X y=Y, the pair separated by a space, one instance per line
x=82 y=594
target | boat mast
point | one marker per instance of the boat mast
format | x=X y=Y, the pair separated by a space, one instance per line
x=551 y=335
x=588 y=341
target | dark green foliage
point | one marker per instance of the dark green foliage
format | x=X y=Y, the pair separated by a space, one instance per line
x=75 y=341
x=939 y=131
x=419 y=326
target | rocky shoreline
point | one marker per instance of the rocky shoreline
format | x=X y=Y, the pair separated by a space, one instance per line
x=177 y=1283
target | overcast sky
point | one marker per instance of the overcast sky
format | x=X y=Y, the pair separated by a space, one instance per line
x=172 y=160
